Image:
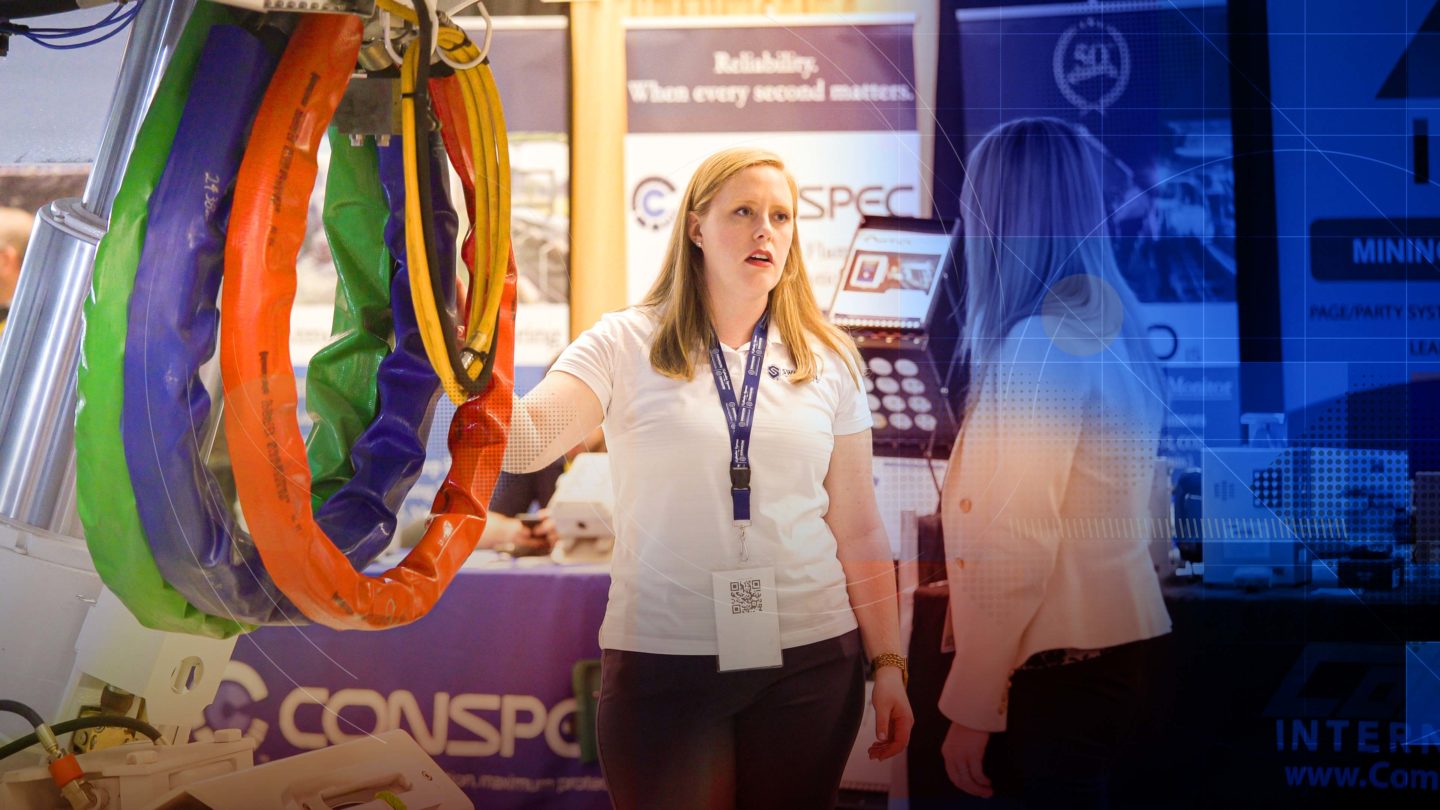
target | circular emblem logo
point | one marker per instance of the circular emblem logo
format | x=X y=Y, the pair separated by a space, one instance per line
x=241 y=688
x=1092 y=65
x=654 y=203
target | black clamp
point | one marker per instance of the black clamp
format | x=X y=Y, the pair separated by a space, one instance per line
x=739 y=477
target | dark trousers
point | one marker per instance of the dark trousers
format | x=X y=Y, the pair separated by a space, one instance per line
x=674 y=732
x=1071 y=727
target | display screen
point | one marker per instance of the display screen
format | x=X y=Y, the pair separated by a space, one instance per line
x=1150 y=83
x=891 y=277
x=1356 y=200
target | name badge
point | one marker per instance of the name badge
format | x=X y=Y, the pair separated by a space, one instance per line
x=747 y=619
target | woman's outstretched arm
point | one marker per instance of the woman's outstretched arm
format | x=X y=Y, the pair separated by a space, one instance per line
x=555 y=416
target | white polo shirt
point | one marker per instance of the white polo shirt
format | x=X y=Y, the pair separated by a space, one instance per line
x=670 y=461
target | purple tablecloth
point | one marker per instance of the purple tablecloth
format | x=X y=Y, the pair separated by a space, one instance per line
x=483 y=683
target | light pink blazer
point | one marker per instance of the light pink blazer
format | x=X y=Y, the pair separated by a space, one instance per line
x=1046 y=513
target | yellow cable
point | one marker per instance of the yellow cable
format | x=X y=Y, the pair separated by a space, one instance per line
x=453 y=40
x=403 y=12
x=490 y=146
x=426 y=314
x=479 y=90
x=482 y=323
x=501 y=184
x=477 y=339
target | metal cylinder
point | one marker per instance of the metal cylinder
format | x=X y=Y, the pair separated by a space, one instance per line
x=157 y=29
x=39 y=353
x=40 y=347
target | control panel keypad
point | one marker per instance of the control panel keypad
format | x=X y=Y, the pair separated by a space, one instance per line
x=898 y=398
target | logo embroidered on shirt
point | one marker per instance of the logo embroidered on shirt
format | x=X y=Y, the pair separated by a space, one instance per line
x=775 y=371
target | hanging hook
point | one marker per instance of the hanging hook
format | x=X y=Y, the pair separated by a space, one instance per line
x=398 y=6
x=385 y=24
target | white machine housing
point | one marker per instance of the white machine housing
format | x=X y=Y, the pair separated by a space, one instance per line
x=584 y=501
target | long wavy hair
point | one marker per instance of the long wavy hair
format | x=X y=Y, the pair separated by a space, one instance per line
x=680 y=300
x=1037 y=242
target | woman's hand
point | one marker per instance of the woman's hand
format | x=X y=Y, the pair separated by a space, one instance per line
x=964 y=752
x=893 y=717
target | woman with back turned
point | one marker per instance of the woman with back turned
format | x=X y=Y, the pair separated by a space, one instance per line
x=1057 y=614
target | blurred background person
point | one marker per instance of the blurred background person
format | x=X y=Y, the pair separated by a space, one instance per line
x=1059 y=625
x=15 y=227
x=519 y=519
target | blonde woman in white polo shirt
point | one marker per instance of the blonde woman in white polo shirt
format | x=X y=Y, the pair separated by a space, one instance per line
x=1057 y=613
x=751 y=575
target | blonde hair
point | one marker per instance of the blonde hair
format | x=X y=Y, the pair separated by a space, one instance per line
x=1036 y=228
x=679 y=298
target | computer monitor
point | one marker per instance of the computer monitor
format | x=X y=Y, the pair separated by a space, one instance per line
x=892 y=275
x=899 y=293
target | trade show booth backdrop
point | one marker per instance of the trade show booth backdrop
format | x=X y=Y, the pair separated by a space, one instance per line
x=1345 y=308
x=1357 y=204
x=833 y=95
x=1151 y=83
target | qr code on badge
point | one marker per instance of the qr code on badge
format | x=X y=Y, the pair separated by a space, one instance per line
x=745 y=596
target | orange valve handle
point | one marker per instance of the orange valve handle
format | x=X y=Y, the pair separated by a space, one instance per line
x=271 y=472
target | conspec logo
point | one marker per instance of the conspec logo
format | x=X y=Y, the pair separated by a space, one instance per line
x=462 y=724
x=824 y=202
x=456 y=725
x=654 y=202
x=240 y=690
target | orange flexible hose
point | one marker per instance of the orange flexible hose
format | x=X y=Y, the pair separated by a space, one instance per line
x=268 y=454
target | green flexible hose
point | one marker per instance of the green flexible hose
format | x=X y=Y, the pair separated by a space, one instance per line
x=340 y=384
x=103 y=487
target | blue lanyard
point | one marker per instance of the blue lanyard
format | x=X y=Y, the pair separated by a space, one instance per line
x=740 y=418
